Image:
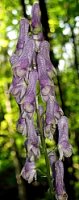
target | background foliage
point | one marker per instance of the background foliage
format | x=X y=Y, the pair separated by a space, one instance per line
x=63 y=23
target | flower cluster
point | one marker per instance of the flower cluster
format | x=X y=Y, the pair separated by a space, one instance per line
x=31 y=63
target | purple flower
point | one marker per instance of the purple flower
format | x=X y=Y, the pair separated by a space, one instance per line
x=45 y=52
x=22 y=126
x=50 y=121
x=29 y=171
x=52 y=159
x=23 y=63
x=33 y=141
x=29 y=98
x=18 y=88
x=50 y=112
x=45 y=82
x=21 y=60
x=23 y=36
x=50 y=117
x=59 y=182
x=36 y=16
x=65 y=149
x=57 y=111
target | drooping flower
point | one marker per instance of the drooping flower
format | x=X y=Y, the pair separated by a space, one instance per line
x=31 y=63
x=45 y=52
x=22 y=126
x=59 y=181
x=65 y=148
x=29 y=171
x=45 y=82
x=18 y=88
x=36 y=16
x=29 y=99
x=23 y=36
x=52 y=158
x=58 y=112
x=32 y=144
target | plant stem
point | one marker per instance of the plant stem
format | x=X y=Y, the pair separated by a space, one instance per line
x=45 y=151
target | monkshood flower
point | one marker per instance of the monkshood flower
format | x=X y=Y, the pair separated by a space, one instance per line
x=65 y=148
x=45 y=82
x=22 y=126
x=31 y=63
x=29 y=98
x=59 y=181
x=36 y=16
x=23 y=36
x=44 y=52
x=58 y=112
x=50 y=120
x=58 y=176
x=20 y=62
x=52 y=158
x=29 y=171
x=53 y=113
x=18 y=88
x=23 y=62
x=32 y=144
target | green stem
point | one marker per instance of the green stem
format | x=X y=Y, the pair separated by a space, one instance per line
x=45 y=152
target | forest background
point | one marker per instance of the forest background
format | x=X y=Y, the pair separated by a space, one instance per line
x=60 y=20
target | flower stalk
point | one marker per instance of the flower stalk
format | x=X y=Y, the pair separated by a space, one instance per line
x=31 y=64
x=41 y=129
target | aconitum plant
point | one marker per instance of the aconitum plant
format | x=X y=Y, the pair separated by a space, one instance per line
x=31 y=66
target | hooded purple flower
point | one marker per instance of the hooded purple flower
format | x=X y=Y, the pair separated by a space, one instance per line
x=29 y=171
x=32 y=143
x=50 y=120
x=59 y=181
x=50 y=112
x=22 y=126
x=24 y=61
x=53 y=113
x=65 y=149
x=45 y=82
x=22 y=58
x=44 y=52
x=36 y=16
x=18 y=88
x=57 y=111
x=23 y=36
x=29 y=98
x=52 y=158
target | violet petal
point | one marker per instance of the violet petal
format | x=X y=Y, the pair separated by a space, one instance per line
x=64 y=147
x=29 y=171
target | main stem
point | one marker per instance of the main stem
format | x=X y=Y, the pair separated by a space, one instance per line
x=45 y=151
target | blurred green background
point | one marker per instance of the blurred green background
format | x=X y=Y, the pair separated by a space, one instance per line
x=60 y=20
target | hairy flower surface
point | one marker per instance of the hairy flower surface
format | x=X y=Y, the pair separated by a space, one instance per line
x=18 y=88
x=59 y=181
x=22 y=126
x=65 y=148
x=36 y=16
x=44 y=52
x=29 y=171
x=33 y=140
x=45 y=82
x=23 y=36
x=29 y=98
x=31 y=64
